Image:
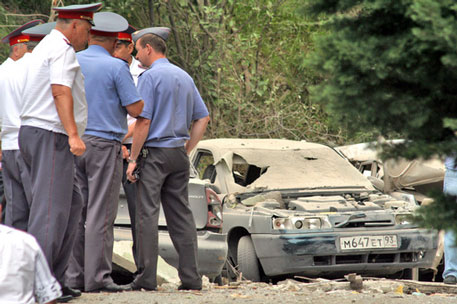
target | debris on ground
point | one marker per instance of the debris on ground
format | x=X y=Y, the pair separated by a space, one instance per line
x=123 y=258
x=168 y=281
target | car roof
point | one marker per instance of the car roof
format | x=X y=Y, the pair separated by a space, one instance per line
x=257 y=143
x=306 y=165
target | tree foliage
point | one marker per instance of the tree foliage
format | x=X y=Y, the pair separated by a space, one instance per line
x=390 y=67
x=245 y=57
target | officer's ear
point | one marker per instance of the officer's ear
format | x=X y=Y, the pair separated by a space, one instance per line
x=74 y=24
x=149 y=49
x=130 y=48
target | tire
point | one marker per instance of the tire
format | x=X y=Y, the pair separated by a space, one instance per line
x=247 y=259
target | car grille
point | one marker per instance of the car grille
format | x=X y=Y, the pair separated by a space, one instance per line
x=369 y=223
x=403 y=257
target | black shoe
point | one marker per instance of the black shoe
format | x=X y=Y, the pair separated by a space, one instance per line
x=134 y=286
x=187 y=287
x=113 y=287
x=68 y=291
x=450 y=279
x=64 y=299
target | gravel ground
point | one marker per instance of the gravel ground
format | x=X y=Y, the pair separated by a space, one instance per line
x=289 y=291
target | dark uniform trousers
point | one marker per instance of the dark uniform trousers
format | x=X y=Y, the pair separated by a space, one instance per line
x=99 y=173
x=130 y=195
x=164 y=178
x=2 y=200
x=17 y=185
x=56 y=198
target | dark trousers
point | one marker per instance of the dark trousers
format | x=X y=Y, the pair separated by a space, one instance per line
x=130 y=195
x=2 y=200
x=17 y=185
x=56 y=198
x=164 y=178
x=99 y=173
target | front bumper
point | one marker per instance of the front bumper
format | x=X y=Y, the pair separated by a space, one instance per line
x=317 y=254
x=212 y=249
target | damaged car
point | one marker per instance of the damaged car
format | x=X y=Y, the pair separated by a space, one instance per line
x=298 y=208
x=401 y=178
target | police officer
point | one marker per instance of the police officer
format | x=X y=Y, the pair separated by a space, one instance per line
x=18 y=42
x=124 y=50
x=53 y=116
x=111 y=94
x=172 y=104
x=18 y=47
x=16 y=177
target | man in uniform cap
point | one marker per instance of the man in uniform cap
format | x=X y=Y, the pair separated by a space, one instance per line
x=16 y=177
x=160 y=31
x=53 y=115
x=124 y=50
x=18 y=47
x=18 y=41
x=110 y=94
x=172 y=104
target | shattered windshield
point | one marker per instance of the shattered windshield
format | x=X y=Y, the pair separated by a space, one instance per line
x=317 y=167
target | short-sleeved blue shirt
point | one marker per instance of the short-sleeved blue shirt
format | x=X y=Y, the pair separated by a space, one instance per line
x=171 y=102
x=449 y=162
x=109 y=89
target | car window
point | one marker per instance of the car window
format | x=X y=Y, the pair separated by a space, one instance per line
x=204 y=165
x=244 y=173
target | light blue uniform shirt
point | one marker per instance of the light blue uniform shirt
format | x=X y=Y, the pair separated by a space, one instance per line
x=109 y=89
x=449 y=162
x=171 y=102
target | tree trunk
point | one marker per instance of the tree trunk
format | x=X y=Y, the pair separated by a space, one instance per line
x=151 y=12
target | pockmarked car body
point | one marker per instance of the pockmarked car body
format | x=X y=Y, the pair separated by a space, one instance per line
x=207 y=211
x=394 y=176
x=299 y=208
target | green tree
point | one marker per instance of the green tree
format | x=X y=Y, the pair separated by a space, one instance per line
x=390 y=69
x=243 y=55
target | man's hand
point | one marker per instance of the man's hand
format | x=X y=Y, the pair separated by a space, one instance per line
x=77 y=146
x=129 y=172
x=125 y=152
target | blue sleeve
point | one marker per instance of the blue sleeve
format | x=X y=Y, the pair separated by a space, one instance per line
x=125 y=86
x=146 y=90
x=199 y=110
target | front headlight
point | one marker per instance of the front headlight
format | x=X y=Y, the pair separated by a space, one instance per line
x=299 y=223
x=403 y=219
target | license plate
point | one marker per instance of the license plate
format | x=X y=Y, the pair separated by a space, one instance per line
x=368 y=242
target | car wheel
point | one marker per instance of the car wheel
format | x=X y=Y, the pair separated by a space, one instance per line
x=247 y=259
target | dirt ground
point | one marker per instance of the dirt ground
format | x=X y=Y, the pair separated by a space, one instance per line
x=289 y=291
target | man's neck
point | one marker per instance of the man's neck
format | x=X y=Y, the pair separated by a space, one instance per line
x=65 y=31
x=157 y=57
x=106 y=45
